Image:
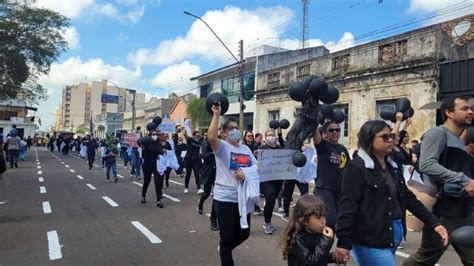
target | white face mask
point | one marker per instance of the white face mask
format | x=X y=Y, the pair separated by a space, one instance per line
x=271 y=140
x=154 y=137
x=234 y=135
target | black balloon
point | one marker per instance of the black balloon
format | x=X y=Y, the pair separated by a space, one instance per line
x=327 y=110
x=298 y=159
x=151 y=126
x=321 y=119
x=338 y=116
x=387 y=113
x=217 y=98
x=463 y=236
x=298 y=91
x=274 y=124
x=331 y=96
x=318 y=87
x=157 y=120
x=403 y=104
x=284 y=124
x=408 y=113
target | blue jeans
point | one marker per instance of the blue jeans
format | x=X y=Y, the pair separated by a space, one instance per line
x=113 y=166
x=126 y=159
x=13 y=156
x=367 y=256
x=136 y=161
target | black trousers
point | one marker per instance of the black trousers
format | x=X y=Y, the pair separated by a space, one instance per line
x=331 y=200
x=192 y=164
x=180 y=162
x=208 y=184
x=270 y=191
x=148 y=170
x=230 y=232
x=288 y=193
x=91 y=158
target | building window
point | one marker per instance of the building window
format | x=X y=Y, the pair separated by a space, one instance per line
x=393 y=52
x=205 y=90
x=231 y=87
x=302 y=71
x=345 y=125
x=273 y=80
x=339 y=62
x=273 y=115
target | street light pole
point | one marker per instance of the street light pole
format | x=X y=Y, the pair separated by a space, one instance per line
x=132 y=101
x=241 y=69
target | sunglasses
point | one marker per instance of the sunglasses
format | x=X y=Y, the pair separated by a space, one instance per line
x=332 y=130
x=386 y=137
x=154 y=134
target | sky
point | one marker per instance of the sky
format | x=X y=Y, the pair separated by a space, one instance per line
x=153 y=47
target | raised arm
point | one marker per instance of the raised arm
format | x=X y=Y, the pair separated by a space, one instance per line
x=396 y=127
x=317 y=137
x=214 y=127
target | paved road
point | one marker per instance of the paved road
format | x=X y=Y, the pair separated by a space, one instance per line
x=54 y=210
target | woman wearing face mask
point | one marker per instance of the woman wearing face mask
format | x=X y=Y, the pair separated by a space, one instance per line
x=230 y=156
x=151 y=153
x=270 y=189
x=179 y=148
x=192 y=160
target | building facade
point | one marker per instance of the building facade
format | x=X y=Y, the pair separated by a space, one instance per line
x=371 y=76
x=15 y=112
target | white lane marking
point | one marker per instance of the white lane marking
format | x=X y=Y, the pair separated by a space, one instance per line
x=40 y=179
x=40 y=172
x=67 y=166
x=96 y=165
x=152 y=237
x=177 y=183
x=54 y=246
x=72 y=170
x=46 y=207
x=119 y=175
x=91 y=187
x=80 y=177
x=42 y=189
x=3 y=202
x=110 y=201
x=278 y=214
x=119 y=164
x=401 y=254
x=136 y=183
x=37 y=162
x=171 y=198
x=208 y=214
x=63 y=162
x=39 y=167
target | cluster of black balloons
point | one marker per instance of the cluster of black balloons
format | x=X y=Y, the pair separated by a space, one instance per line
x=403 y=106
x=283 y=124
x=145 y=140
x=317 y=87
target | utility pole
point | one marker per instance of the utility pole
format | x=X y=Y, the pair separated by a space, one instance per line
x=133 y=109
x=91 y=126
x=242 y=88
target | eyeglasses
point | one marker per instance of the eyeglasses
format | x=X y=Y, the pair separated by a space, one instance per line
x=249 y=136
x=386 y=137
x=332 y=130
x=154 y=134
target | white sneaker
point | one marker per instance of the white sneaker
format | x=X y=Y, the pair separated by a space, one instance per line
x=185 y=191
x=200 y=191
x=280 y=209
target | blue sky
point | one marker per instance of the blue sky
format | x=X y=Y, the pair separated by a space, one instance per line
x=151 y=46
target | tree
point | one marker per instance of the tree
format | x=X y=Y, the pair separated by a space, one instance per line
x=197 y=112
x=31 y=39
x=173 y=95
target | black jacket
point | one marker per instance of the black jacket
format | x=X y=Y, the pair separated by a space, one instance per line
x=310 y=250
x=364 y=215
x=150 y=154
x=209 y=167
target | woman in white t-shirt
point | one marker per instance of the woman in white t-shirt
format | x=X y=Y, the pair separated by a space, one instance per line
x=230 y=157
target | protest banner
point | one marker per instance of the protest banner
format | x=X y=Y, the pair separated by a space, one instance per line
x=276 y=165
x=167 y=127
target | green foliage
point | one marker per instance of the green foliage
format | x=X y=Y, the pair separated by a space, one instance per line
x=81 y=130
x=31 y=40
x=366 y=86
x=197 y=112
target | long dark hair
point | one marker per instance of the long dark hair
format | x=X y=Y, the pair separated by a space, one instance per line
x=306 y=206
x=367 y=134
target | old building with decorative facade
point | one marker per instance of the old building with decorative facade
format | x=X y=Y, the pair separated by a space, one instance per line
x=423 y=65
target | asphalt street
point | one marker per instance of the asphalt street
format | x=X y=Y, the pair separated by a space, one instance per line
x=55 y=211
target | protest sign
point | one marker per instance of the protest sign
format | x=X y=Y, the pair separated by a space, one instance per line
x=276 y=165
x=167 y=127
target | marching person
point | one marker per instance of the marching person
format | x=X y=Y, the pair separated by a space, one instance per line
x=332 y=159
x=444 y=161
x=92 y=146
x=151 y=153
x=192 y=160
x=230 y=156
x=374 y=201
x=111 y=154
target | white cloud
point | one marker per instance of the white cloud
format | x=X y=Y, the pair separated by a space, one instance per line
x=73 y=71
x=444 y=9
x=176 y=77
x=69 y=8
x=72 y=37
x=346 y=41
x=231 y=24
x=432 y=5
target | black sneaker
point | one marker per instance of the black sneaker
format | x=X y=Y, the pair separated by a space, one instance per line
x=214 y=226
x=16 y=165
x=167 y=184
x=199 y=208
x=160 y=205
x=116 y=179
x=143 y=200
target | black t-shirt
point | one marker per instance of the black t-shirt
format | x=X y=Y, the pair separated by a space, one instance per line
x=192 y=148
x=332 y=159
